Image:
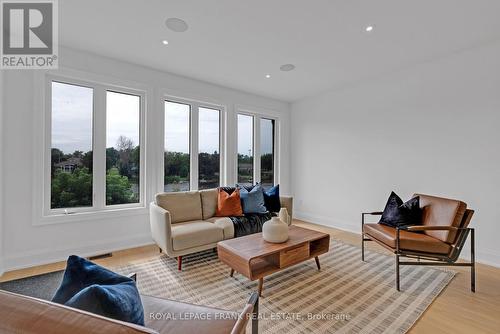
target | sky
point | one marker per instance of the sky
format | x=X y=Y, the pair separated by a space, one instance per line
x=72 y=123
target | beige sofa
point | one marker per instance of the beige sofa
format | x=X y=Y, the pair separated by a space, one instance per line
x=184 y=222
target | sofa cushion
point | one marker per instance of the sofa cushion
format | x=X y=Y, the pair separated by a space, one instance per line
x=408 y=240
x=226 y=224
x=228 y=204
x=195 y=233
x=253 y=201
x=438 y=211
x=397 y=213
x=208 y=202
x=183 y=206
x=90 y=287
x=272 y=198
x=118 y=301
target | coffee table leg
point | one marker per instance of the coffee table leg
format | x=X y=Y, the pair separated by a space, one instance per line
x=232 y=272
x=317 y=262
x=261 y=283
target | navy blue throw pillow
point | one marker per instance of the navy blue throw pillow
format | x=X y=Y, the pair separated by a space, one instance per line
x=396 y=213
x=95 y=289
x=272 y=199
x=252 y=201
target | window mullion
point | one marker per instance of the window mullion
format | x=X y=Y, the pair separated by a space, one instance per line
x=194 y=147
x=99 y=147
x=256 y=149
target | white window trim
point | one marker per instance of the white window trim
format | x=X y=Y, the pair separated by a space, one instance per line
x=42 y=213
x=195 y=104
x=257 y=116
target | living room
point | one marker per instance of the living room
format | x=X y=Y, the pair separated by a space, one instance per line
x=283 y=166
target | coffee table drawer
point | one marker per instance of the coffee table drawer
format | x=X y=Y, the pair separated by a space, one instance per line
x=294 y=255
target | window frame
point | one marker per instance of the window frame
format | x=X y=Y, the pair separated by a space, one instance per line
x=221 y=136
x=257 y=116
x=254 y=145
x=99 y=128
x=275 y=122
x=194 y=120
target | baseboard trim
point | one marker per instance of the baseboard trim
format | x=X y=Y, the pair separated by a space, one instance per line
x=484 y=256
x=47 y=256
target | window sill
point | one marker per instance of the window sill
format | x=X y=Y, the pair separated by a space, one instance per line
x=58 y=218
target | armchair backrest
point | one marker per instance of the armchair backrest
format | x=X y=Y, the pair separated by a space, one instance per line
x=461 y=236
x=439 y=211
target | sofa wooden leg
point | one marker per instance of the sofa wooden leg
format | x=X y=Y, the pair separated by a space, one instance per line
x=397 y=272
x=179 y=263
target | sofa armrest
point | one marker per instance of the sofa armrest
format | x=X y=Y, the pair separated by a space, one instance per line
x=287 y=203
x=161 y=228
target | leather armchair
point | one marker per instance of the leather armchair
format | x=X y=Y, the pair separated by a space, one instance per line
x=438 y=241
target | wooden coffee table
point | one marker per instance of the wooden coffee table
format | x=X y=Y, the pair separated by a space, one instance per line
x=256 y=258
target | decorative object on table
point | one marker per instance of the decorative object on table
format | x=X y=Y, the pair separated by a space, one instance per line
x=275 y=231
x=284 y=216
x=92 y=288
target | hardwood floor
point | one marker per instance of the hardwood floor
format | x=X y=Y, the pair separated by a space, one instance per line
x=456 y=310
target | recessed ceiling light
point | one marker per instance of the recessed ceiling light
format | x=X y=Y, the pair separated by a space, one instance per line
x=268 y=76
x=287 y=67
x=369 y=28
x=176 y=24
x=165 y=42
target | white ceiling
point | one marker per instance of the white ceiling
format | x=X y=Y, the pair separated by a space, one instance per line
x=235 y=43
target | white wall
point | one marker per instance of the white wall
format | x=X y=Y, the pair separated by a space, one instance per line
x=25 y=243
x=432 y=128
x=1 y=169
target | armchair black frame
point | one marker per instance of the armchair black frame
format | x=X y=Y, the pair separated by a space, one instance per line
x=430 y=259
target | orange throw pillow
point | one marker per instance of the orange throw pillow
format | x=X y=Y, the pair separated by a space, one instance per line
x=228 y=205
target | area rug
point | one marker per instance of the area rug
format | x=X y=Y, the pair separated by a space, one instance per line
x=346 y=296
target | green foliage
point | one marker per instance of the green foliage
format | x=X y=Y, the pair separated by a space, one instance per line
x=176 y=164
x=71 y=190
x=118 y=188
x=74 y=189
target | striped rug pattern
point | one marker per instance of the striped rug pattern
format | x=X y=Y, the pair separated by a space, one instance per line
x=346 y=296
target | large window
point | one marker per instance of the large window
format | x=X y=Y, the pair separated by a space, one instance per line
x=208 y=148
x=95 y=157
x=192 y=146
x=245 y=149
x=71 y=146
x=122 y=148
x=267 y=152
x=256 y=156
x=177 y=146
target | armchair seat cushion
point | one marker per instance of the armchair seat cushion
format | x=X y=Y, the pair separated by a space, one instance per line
x=410 y=241
x=195 y=233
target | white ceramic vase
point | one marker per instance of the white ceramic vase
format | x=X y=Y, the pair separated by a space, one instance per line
x=275 y=231
x=284 y=216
